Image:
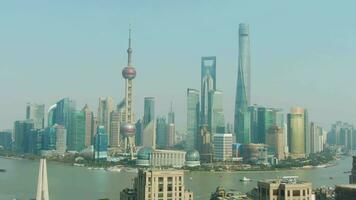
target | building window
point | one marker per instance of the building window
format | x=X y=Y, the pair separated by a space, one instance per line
x=296 y=193
x=275 y=192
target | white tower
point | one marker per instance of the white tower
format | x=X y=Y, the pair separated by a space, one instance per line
x=42 y=185
x=128 y=128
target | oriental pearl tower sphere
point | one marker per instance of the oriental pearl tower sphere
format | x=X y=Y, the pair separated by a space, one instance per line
x=128 y=128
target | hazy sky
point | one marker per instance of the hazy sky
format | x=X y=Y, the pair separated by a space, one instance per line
x=302 y=53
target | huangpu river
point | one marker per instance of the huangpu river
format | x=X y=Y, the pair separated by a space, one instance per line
x=74 y=183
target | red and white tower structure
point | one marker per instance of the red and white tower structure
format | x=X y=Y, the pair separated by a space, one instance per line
x=129 y=128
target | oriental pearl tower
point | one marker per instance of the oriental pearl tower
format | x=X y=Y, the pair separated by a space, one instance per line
x=128 y=128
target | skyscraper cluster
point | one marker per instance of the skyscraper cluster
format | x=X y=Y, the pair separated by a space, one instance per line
x=283 y=135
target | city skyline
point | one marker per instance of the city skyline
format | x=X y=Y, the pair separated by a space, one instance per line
x=31 y=72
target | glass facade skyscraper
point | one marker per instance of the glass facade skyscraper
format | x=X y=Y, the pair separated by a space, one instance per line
x=216 y=119
x=192 y=117
x=36 y=112
x=208 y=84
x=161 y=131
x=243 y=93
x=149 y=123
x=296 y=132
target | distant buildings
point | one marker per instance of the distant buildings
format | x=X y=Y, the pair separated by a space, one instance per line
x=89 y=125
x=216 y=119
x=149 y=123
x=342 y=134
x=22 y=131
x=192 y=118
x=6 y=140
x=243 y=94
x=148 y=157
x=287 y=188
x=276 y=141
x=296 y=120
x=161 y=132
x=61 y=139
x=106 y=106
x=353 y=171
x=222 y=146
x=36 y=113
x=101 y=144
x=208 y=84
x=192 y=158
x=222 y=194
x=254 y=153
x=161 y=184
x=317 y=138
x=205 y=144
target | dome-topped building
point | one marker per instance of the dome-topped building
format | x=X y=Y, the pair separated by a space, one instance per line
x=144 y=156
x=192 y=158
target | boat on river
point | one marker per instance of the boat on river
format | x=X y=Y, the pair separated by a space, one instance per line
x=2 y=170
x=245 y=179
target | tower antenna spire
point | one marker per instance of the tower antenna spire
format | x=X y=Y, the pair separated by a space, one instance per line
x=129 y=50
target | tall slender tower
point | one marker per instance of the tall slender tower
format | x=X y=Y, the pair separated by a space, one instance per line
x=42 y=185
x=242 y=101
x=128 y=128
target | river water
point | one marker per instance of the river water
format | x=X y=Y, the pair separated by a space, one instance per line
x=76 y=183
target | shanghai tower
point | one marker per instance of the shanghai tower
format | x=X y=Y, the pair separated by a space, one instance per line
x=243 y=93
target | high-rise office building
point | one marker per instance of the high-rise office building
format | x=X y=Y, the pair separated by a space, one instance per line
x=171 y=135
x=77 y=138
x=275 y=140
x=138 y=136
x=161 y=132
x=89 y=125
x=353 y=171
x=307 y=132
x=208 y=83
x=49 y=139
x=317 y=138
x=50 y=115
x=106 y=106
x=161 y=184
x=253 y=110
x=64 y=114
x=149 y=123
x=128 y=128
x=171 y=119
x=267 y=117
x=34 y=142
x=296 y=132
x=216 y=119
x=192 y=118
x=61 y=138
x=222 y=146
x=114 y=129
x=36 y=113
x=6 y=139
x=22 y=131
x=243 y=93
x=205 y=144
x=101 y=144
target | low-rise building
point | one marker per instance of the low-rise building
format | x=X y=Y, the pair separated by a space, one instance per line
x=158 y=184
x=347 y=191
x=286 y=188
x=147 y=156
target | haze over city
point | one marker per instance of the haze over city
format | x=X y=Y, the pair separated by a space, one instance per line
x=301 y=54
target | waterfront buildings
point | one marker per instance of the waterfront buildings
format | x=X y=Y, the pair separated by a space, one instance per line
x=192 y=158
x=276 y=142
x=114 y=141
x=147 y=156
x=205 y=144
x=128 y=194
x=266 y=118
x=22 y=131
x=64 y=114
x=100 y=144
x=76 y=142
x=6 y=140
x=353 y=171
x=61 y=139
x=89 y=125
x=171 y=135
x=287 y=188
x=254 y=153
x=161 y=184
x=296 y=132
x=42 y=182
x=342 y=134
x=243 y=94
x=128 y=128
x=208 y=84
x=149 y=123
x=192 y=118
x=106 y=106
x=317 y=138
x=222 y=146
x=36 y=113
